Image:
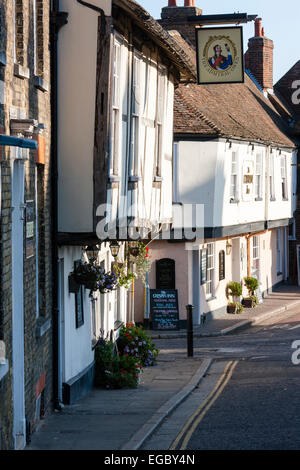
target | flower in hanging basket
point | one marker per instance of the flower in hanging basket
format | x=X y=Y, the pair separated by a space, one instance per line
x=108 y=282
x=142 y=261
x=125 y=276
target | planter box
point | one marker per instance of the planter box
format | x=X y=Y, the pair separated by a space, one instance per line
x=231 y=308
x=248 y=303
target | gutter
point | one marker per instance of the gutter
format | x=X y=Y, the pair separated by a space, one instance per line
x=58 y=19
x=98 y=10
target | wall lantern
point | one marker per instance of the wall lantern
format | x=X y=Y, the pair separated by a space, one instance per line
x=228 y=248
x=92 y=252
x=133 y=248
x=114 y=248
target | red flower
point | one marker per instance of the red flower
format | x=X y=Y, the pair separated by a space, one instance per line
x=147 y=249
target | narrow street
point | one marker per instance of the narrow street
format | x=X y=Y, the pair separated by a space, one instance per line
x=249 y=397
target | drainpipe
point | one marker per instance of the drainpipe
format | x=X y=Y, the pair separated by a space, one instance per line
x=98 y=10
x=58 y=19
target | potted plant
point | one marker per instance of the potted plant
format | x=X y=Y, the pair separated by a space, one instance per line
x=252 y=284
x=124 y=275
x=234 y=290
x=142 y=261
x=94 y=278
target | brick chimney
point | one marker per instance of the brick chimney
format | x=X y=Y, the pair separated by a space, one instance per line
x=176 y=17
x=259 y=57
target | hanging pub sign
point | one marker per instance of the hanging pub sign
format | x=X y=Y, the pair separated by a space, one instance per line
x=220 y=56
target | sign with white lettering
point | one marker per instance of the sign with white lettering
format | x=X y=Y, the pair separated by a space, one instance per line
x=29 y=229
x=220 y=56
x=164 y=309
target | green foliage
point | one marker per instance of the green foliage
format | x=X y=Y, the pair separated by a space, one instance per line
x=240 y=307
x=124 y=275
x=233 y=289
x=255 y=299
x=142 y=261
x=252 y=284
x=134 y=341
x=113 y=370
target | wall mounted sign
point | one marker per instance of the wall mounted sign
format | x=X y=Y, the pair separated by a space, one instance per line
x=248 y=180
x=164 y=309
x=220 y=55
x=29 y=227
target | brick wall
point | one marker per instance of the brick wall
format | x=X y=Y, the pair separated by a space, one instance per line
x=176 y=18
x=23 y=99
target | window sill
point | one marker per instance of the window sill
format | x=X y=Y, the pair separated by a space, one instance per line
x=40 y=83
x=209 y=299
x=157 y=179
x=117 y=325
x=3 y=60
x=43 y=325
x=4 y=368
x=285 y=199
x=258 y=199
x=134 y=179
x=21 y=72
x=234 y=201
x=114 y=179
x=272 y=199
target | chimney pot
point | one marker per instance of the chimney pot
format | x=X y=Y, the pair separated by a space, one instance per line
x=189 y=3
x=257 y=27
x=172 y=3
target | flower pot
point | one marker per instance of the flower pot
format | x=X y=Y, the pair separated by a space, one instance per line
x=231 y=308
x=248 y=303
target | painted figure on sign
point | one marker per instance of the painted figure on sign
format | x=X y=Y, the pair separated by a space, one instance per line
x=219 y=61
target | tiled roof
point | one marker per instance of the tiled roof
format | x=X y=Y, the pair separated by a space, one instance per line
x=230 y=110
x=161 y=37
x=284 y=88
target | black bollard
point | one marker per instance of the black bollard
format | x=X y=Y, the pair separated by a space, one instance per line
x=189 y=327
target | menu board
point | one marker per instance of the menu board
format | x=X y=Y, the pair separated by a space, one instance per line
x=164 y=309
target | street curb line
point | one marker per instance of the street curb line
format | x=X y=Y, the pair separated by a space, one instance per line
x=148 y=428
x=258 y=319
x=242 y=324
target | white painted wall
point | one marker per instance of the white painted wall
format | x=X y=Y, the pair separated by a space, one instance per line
x=76 y=343
x=77 y=56
x=77 y=60
x=204 y=174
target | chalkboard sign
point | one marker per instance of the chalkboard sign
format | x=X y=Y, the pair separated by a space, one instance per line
x=164 y=309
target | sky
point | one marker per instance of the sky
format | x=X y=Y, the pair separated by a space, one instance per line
x=281 y=21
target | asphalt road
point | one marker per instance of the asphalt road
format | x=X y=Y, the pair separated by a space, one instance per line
x=250 y=397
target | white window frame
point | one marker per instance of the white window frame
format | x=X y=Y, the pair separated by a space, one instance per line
x=116 y=110
x=271 y=176
x=234 y=176
x=175 y=172
x=283 y=177
x=258 y=176
x=210 y=277
x=159 y=121
x=135 y=115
